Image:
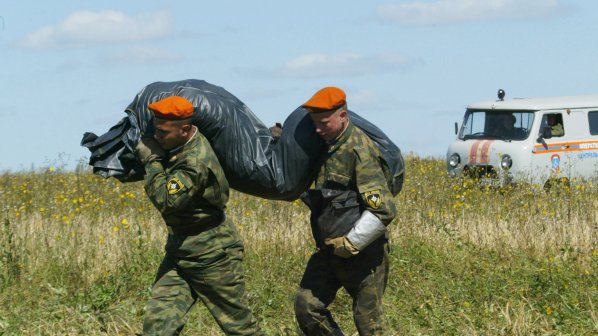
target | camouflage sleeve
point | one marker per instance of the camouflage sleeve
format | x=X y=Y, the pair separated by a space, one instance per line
x=174 y=191
x=373 y=188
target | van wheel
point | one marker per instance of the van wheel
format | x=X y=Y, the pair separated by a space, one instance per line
x=557 y=184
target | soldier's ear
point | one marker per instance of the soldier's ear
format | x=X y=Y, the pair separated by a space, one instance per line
x=186 y=127
x=343 y=114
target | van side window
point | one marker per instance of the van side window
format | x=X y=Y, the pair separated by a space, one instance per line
x=593 y=121
x=555 y=122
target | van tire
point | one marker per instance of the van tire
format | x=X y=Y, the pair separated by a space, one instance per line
x=557 y=184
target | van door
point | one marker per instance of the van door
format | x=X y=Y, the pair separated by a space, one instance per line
x=550 y=156
x=586 y=149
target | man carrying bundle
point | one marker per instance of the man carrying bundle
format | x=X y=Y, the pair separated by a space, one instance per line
x=350 y=204
x=204 y=253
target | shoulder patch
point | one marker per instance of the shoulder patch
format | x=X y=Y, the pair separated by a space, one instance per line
x=174 y=185
x=373 y=198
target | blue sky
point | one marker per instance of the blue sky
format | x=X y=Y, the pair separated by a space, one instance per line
x=410 y=67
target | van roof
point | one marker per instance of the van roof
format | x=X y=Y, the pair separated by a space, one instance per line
x=545 y=103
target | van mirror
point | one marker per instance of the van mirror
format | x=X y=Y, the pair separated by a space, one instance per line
x=546 y=133
x=456 y=128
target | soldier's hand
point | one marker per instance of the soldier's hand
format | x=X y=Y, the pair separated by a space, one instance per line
x=276 y=131
x=148 y=149
x=342 y=247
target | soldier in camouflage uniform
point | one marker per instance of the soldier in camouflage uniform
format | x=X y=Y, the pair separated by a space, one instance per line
x=350 y=204
x=204 y=253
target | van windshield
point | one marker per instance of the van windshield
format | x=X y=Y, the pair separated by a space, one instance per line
x=496 y=124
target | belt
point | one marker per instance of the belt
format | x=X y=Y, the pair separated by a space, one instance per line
x=195 y=229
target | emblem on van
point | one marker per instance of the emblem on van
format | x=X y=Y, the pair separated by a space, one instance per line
x=555 y=166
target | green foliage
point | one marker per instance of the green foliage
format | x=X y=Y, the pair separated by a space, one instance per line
x=460 y=290
x=79 y=254
x=9 y=258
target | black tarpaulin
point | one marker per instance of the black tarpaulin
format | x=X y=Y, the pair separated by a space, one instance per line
x=254 y=162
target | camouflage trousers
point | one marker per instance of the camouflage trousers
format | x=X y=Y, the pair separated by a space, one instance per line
x=363 y=276
x=208 y=267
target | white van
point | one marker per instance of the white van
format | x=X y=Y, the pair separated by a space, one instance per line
x=531 y=140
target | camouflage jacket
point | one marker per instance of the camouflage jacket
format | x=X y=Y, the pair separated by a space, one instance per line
x=188 y=186
x=349 y=181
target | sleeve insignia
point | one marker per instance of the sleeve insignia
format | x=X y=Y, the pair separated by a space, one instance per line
x=373 y=198
x=174 y=185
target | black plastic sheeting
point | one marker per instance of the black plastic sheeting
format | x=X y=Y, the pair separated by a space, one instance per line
x=254 y=162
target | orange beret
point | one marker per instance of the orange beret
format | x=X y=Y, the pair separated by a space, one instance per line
x=173 y=108
x=328 y=98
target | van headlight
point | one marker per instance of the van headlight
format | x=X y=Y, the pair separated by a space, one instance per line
x=506 y=162
x=454 y=160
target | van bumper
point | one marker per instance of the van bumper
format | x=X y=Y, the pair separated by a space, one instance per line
x=484 y=175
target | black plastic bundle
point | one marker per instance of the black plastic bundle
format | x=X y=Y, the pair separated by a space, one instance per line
x=253 y=160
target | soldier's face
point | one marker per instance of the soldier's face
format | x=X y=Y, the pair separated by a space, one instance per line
x=169 y=133
x=329 y=124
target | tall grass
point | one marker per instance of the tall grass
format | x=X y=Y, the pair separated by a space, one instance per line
x=78 y=255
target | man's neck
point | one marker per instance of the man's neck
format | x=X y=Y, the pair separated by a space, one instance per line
x=191 y=136
x=340 y=135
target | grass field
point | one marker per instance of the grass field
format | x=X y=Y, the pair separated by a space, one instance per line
x=78 y=254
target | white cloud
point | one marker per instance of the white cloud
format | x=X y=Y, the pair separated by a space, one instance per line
x=345 y=64
x=141 y=56
x=455 y=11
x=86 y=27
